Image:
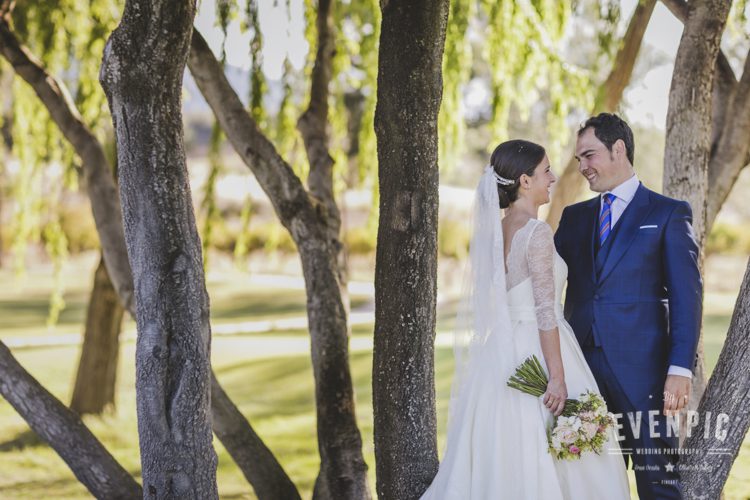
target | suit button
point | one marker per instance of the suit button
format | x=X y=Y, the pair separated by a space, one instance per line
x=596 y=297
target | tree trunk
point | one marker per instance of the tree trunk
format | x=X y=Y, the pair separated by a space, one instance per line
x=730 y=116
x=409 y=93
x=63 y=430
x=94 y=389
x=107 y=216
x=339 y=441
x=715 y=436
x=688 y=132
x=142 y=69
x=571 y=183
x=688 y=137
x=312 y=126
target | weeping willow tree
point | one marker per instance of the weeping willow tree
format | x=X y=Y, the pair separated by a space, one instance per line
x=66 y=37
x=249 y=452
x=523 y=51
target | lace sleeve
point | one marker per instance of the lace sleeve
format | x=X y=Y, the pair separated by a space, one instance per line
x=541 y=248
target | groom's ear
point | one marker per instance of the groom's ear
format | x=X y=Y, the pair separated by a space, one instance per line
x=619 y=147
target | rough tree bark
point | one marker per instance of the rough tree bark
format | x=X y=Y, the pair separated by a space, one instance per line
x=313 y=125
x=726 y=394
x=63 y=430
x=141 y=73
x=571 y=183
x=339 y=440
x=688 y=131
x=730 y=126
x=94 y=389
x=242 y=441
x=409 y=93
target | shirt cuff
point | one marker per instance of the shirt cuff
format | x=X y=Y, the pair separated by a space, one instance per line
x=679 y=370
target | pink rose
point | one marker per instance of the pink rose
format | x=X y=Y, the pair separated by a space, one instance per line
x=574 y=449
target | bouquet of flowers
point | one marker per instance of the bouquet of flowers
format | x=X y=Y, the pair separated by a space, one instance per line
x=584 y=422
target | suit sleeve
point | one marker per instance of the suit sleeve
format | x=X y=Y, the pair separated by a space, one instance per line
x=684 y=286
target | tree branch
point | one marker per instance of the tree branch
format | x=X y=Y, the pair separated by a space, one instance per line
x=254 y=459
x=64 y=431
x=105 y=204
x=724 y=80
x=313 y=122
x=679 y=8
x=731 y=154
x=730 y=130
x=100 y=183
x=725 y=397
x=339 y=441
x=6 y=8
x=284 y=189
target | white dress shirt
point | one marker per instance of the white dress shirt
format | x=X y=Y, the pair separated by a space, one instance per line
x=624 y=194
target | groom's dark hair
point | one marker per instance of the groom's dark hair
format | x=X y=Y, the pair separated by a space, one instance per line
x=608 y=128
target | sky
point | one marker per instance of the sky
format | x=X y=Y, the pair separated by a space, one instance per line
x=646 y=100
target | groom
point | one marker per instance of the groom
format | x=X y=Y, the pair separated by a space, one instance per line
x=633 y=298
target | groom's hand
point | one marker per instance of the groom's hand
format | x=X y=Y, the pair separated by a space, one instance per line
x=676 y=393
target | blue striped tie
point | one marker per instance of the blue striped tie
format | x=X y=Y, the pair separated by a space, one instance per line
x=605 y=221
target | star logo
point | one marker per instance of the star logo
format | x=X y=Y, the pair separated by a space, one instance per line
x=669 y=467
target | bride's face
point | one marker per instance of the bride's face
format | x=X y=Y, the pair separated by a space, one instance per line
x=538 y=187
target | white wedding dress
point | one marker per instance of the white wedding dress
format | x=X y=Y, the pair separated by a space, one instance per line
x=497 y=444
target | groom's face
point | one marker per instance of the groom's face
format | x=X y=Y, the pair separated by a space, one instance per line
x=598 y=164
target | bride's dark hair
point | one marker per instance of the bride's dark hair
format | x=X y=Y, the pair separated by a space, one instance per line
x=512 y=159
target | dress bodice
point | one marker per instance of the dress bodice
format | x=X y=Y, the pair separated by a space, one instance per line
x=536 y=275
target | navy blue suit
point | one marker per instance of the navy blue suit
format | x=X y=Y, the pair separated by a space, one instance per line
x=635 y=305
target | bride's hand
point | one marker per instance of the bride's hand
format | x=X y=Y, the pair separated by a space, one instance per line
x=555 y=396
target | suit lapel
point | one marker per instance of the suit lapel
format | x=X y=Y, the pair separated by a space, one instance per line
x=638 y=208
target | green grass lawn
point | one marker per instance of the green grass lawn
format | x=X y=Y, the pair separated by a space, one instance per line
x=274 y=392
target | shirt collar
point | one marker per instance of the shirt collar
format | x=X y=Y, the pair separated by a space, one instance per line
x=626 y=190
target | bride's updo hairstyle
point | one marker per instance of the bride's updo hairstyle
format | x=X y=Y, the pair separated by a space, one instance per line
x=510 y=161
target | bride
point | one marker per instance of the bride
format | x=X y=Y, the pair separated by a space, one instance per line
x=497 y=442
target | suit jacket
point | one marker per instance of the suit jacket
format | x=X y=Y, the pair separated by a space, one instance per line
x=640 y=296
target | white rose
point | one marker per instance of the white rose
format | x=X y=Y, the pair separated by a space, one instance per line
x=568 y=436
x=576 y=423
